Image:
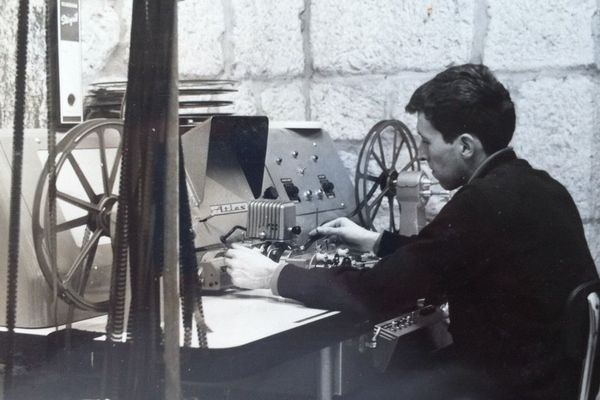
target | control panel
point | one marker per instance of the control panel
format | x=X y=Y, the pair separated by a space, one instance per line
x=386 y=334
x=302 y=166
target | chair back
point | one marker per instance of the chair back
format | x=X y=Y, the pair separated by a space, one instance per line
x=582 y=330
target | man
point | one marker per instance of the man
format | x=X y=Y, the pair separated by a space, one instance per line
x=504 y=252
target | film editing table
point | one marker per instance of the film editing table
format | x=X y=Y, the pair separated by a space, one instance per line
x=250 y=331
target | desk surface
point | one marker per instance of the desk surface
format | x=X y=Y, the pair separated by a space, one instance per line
x=251 y=330
x=242 y=317
x=235 y=319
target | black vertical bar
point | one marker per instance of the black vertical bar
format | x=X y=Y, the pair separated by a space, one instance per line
x=147 y=121
x=15 y=191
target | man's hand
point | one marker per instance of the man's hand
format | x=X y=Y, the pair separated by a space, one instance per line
x=248 y=268
x=353 y=235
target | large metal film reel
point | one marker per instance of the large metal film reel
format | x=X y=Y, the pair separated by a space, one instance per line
x=388 y=150
x=87 y=173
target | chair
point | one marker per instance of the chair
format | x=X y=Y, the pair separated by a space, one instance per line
x=580 y=346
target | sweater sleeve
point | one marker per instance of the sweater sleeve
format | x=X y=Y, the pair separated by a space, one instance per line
x=389 y=242
x=422 y=266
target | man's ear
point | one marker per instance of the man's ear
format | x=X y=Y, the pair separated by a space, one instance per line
x=469 y=145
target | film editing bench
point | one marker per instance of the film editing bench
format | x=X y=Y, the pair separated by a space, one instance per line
x=262 y=186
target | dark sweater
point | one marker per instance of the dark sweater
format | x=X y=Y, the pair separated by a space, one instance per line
x=504 y=252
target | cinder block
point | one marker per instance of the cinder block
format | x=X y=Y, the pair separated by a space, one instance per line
x=384 y=36
x=402 y=90
x=245 y=100
x=348 y=152
x=267 y=38
x=555 y=131
x=284 y=101
x=535 y=34
x=592 y=233
x=201 y=26
x=106 y=39
x=35 y=101
x=595 y=176
x=100 y=38
x=596 y=31
x=348 y=108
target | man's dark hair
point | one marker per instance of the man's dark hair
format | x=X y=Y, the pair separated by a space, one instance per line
x=467 y=99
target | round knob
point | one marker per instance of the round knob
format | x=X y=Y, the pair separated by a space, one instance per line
x=314 y=157
x=270 y=193
x=293 y=190
x=328 y=186
x=296 y=230
x=294 y=154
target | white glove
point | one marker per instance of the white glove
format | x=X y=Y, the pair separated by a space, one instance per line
x=248 y=268
x=353 y=235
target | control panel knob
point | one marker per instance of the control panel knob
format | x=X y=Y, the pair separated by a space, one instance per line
x=327 y=186
x=270 y=193
x=295 y=154
x=292 y=191
x=296 y=230
x=315 y=157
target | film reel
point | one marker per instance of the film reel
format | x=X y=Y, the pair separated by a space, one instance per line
x=388 y=150
x=87 y=173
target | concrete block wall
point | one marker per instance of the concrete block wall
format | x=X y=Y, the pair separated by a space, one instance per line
x=350 y=64
x=35 y=116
